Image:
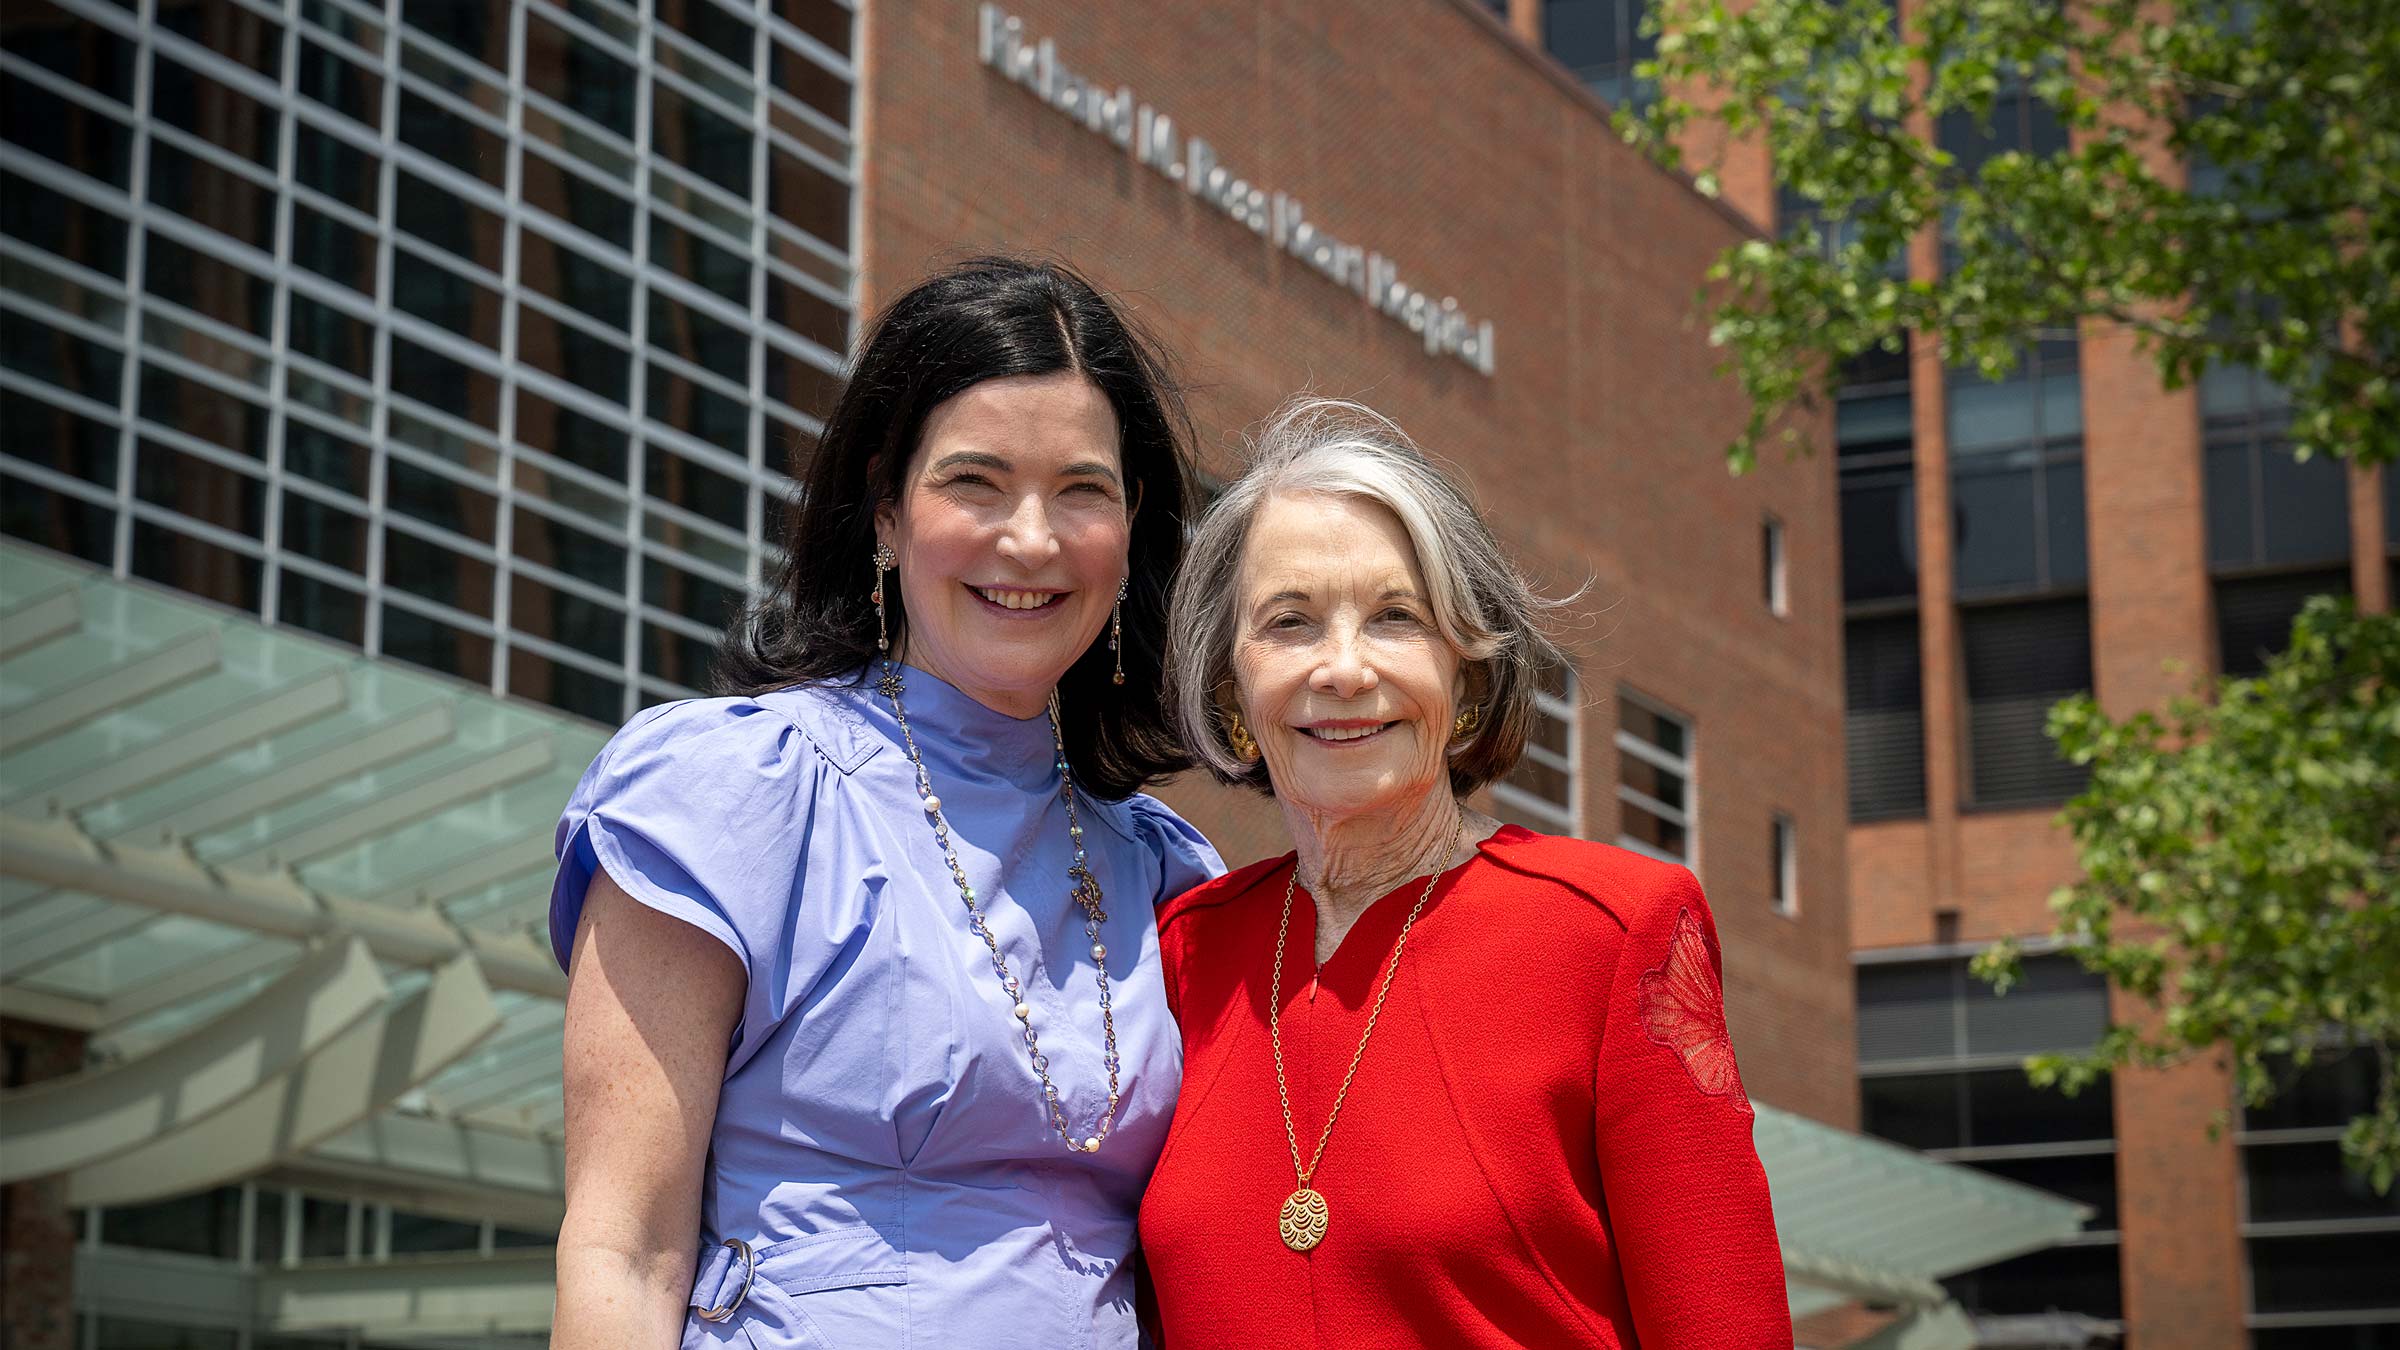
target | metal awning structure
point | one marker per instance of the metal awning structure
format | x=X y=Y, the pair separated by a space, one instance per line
x=295 y=896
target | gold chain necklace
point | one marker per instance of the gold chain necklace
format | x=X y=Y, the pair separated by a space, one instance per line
x=1305 y=1214
x=1086 y=893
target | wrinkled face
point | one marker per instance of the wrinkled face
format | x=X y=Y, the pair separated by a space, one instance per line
x=1012 y=529
x=1342 y=677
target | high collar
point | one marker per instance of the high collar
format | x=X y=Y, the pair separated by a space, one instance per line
x=957 y=735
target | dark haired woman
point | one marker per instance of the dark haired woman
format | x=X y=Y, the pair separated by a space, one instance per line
x=865 y=1039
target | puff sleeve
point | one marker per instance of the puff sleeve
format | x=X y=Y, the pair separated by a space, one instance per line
x=1686 y=1198
x=704 y=811
x=1185 y=858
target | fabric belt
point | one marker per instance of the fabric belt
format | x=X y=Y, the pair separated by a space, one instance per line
x=726 y=1271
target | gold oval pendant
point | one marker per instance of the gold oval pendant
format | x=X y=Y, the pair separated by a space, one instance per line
x=1304 y=1220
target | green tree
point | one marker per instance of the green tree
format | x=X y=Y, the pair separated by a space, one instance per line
x=2241 y=861
x=2220 y=176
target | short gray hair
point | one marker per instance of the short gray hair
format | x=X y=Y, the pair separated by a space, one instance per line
x=1482 y=605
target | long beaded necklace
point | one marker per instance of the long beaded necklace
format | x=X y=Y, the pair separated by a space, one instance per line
x=1305 y=1214
x=1086 y=893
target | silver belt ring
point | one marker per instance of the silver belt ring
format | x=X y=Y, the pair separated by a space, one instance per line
x=749 y=1273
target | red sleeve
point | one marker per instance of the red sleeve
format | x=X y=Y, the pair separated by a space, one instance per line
x=1686 y=1198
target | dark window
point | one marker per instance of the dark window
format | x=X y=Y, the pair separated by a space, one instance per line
x=217 y=197
x=424 y=568
x=186 y=99
x=202 y=489
x=74 y=364
x=673 y=656
x=566 y=618
x=2254 y=614
x=459 y=142
x=321 y=607
x=207 y=1224
x=325 y=532
x=695 y=137
x=563 y=548
x=55 y=520
x=809 y=82
x=575 y=74
x=1600 y=42
x=428 y=642
x=324 y=1228
x=206 y=284
x=86 y=53
x=579 y=440
x=67 y=133
x=335 y=167
x=697 y=259
x=1774 y=579
x=337 y=84
x=438 y=499
x=687 y=596
x=447 y=221
x=205 y=411
x=479 y=28
x=42 y=433
x=2081 y=1278
x=801 y=194
x=2327 y=1094
x=534 y=676
x=60 y=224
x=2308 y=1180
x=1783 y=866
x=426 y=1233
x=1885 y=727
x=207 y=570
x=825 y=20
x=711 y=27
x=2021 y=659
x=1878 y=476
x=2016 y=474
x=700 y=411
x=2327 y=1273
x=1654 y=783
x=578 y=200
x=576 y=278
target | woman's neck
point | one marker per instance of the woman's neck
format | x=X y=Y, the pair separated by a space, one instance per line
x=1350 y=863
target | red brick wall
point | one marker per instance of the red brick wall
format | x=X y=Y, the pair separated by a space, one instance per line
x=1421 y=129
x=37 y=1230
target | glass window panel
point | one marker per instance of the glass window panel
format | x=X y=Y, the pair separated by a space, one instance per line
x=828 y=21
x=325 y=532
x=202 y=489
x=188 y=564
x=1650 y=780
x=64 y=44
x=67 y=132
x=2004 y=1107
x=2318 y=1274
x=207 y=285
x=2062 y=404
x=435 y=499
x=1985 y=415
x=1665 y=732
x=1549 y=732
x=578 y=200
x=453 y=140
x=313 y=452
x=566 y=618
x=712 y=27
x=1919 y=1110
x=324 y=1228
x=428 y=1233
x=439 y=382
x=799 y=384
x=2041 y=649
x=229 y=30
x=800 y=194
x=59 y=224
x=694 y=137
x=2086 y=1178
x=182 y=97
x=333 y=250
x=1876 y=425
x=447 y=221
x=606 y=509
x=576 y=278
x=564 y=548
x=43 y=433
x=1544 y=781
x=585 y=442
x=207 y=1224
x=201 y=191
x=2062 y=515
x=57 y=521
x=2055 y=1005
x=2232 y=505
x=342 y=23
x=2307 y=508
x=77 y=365
x=204 y=411
x=684 y=595
x=128 y=1333
x=706 y=545
x=695 y=259
x=534 y=676
x=1659 y=834
x=670 y=655
x=337 y=612
x=2328 y=1092
x=1993 y=529
x=442 y=297
x=2357 y=1336
x=333 y=336
x=699 y=410
x=2083 y=1279
x=335 y=167
x=2310 y=1181
x=706 y=342
x=812 y=84
x=578 y=75
x=514 y=1237
x=477 y=28
x=435 y=645
x=571 y=354
x=304 y=390
x=1879 y=535
x=805 y=313
x=340 y=85
x=1908 y=1011
x=266 y=1230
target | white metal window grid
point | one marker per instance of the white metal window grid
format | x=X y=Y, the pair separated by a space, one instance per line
x=1686 y=816
x=1786 y=898
x=1556 y=817
x=2244 y=1138
x=400 y=49
x=1777 y=567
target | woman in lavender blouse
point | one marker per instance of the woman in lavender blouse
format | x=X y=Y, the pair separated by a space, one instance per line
x=865 y=1043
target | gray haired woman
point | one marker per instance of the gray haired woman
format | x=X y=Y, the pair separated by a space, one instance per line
x=1446 y=1081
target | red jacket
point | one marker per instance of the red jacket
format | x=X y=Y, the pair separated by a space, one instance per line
x=1547 y=1143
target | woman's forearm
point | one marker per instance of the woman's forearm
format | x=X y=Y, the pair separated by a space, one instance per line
x=610 y=1298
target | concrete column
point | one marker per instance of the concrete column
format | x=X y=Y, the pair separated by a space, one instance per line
x=37 y=1230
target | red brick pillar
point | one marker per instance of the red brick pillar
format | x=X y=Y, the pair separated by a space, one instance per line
x=37 y=1231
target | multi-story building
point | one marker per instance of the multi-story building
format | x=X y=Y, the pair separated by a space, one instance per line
x=2004 y=544
x=399 y=394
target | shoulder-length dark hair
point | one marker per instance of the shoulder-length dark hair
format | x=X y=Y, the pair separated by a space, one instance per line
x=983 y=319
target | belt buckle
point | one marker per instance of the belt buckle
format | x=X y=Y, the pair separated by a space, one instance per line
x=749 y=1273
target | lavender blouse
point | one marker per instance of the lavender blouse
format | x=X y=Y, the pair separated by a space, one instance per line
x=880 y=1140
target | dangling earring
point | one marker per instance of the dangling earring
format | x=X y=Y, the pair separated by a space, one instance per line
x=1238 y=736
x=1467 y=722
x=1116 y=632
x=884 y=558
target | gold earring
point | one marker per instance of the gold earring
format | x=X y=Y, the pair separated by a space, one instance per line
x=1467 y=722
x=1238 y=736
x=884 y=558
x=1116 y=632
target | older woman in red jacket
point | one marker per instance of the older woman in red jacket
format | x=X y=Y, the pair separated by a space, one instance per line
x=1447 y=1082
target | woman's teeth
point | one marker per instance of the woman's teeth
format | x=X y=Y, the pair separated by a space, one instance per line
x=1017 y=599
x=1343 y=733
